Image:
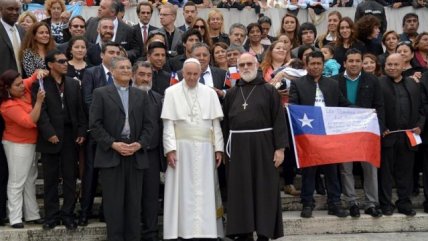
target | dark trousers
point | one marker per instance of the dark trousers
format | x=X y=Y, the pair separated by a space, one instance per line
x=425 y=172
x=89 y=179
x=122 y=200
x=332 y=183
x=150 y=199
x=65 y=163
x=289 y=167
x=396 y=166
x=3 y=183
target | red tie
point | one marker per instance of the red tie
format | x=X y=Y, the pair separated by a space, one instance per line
x=144 y=33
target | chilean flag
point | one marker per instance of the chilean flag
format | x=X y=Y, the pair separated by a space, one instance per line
x=326 y=135
x=174 y=79
x=232 y=75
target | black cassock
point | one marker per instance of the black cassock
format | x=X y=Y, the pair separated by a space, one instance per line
x=253 y=181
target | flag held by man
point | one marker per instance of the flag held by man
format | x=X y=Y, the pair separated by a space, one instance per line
x=326 y=135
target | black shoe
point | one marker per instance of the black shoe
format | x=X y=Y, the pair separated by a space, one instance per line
x=338 y=211
x=306 y=212
x=50 y=225
x=426 y=207
x=83 y=220
x=354 y=211
x=69 y=223
x=17 y=225
x=387 y=210
x=374 y=212
x=36 y=221
x=407 y=211
x=2 y=222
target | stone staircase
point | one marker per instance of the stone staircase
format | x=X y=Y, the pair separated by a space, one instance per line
x=321 y=227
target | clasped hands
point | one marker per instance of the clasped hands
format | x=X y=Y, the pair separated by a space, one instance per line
x=125 y=149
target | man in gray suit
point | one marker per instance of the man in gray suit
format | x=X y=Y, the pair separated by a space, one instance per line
x=122 y=124
x=168 y=14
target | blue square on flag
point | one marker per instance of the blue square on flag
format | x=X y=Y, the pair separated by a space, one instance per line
x=307 y=120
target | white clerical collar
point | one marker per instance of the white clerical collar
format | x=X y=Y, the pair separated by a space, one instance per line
x=121 y=88
x=349 y=78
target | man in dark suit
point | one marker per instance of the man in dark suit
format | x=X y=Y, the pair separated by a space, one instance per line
x=314 y=89
x=404 y=111
x=94 y=77
x=211 y=76
x=142 y=79
x=122 y=33
x=141 y=30
x=11 y=35
x=189 y=38
x=168 y=14
x=157 y=58
x=121 y=123
x=9 y=51
x=106 y=32
x=190 y=13
x=62 y=125
x=363 y=90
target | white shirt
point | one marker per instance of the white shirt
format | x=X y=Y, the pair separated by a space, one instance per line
x=208 y=77
x=9 y=32
x=142 y=30
x=106 y=71
x=319 y=97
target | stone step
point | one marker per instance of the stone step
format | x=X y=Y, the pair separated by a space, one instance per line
x=408 y=236
x=320 y=227
x=321 y=223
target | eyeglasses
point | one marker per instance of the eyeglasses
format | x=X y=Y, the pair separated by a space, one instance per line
x=165 y=14
x=61 y=61
x=242 y=65
x=199 y=26
x=78 y=26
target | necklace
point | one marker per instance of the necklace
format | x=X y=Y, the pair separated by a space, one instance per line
x=191 y=106
x=248 y=96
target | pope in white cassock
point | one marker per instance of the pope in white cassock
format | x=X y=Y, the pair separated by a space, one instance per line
x=193 y=144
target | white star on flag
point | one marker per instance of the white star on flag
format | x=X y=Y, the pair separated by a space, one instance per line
x=306 y=121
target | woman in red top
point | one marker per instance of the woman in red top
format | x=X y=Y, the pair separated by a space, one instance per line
x=19 y=141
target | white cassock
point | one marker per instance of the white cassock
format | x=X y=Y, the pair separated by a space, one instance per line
x=192 y=201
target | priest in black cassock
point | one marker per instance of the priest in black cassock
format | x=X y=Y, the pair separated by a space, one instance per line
x=254 y=123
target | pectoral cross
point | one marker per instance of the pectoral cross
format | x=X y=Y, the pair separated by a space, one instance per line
x=245 y=105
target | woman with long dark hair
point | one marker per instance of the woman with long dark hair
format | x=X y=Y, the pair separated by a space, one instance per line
x=290 y=26
x=19 y=142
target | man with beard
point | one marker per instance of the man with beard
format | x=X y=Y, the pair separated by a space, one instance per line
x=410 y=27
x=254 y=122
x=142 y=78
x=106 y=31
x=190 y=12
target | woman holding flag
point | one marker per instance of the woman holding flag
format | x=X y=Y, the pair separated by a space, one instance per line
x=19 y=141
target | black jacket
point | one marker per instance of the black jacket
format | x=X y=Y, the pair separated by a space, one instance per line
x=51 y=121
x=369 y=94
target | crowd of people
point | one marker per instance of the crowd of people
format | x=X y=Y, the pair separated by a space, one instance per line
x=107 y=102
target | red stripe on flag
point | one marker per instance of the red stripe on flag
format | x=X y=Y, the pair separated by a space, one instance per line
x=314 y=150
x=412 y=138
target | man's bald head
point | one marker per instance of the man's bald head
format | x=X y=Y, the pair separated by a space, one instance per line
x=394 y=66
x=10 y=10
